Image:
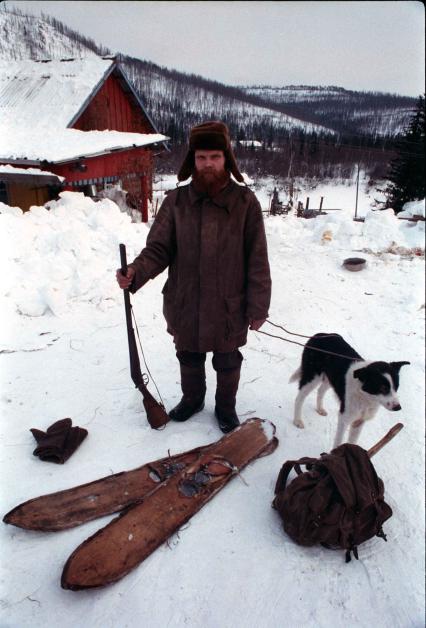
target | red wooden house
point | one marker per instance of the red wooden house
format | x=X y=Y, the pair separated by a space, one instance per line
x=80 y=119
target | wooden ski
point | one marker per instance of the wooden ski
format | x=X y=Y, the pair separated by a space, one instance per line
x=77 y=505
x=126 y=541
x=113 y=493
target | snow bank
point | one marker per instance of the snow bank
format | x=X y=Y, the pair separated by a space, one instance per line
x=66 y=253
x=413 y=208
x=381 y=232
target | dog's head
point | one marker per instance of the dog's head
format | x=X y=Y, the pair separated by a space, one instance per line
x=381 y=380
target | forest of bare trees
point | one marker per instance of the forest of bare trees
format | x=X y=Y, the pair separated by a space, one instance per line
x=359 y=128
x=330 y=132
x=301 y=155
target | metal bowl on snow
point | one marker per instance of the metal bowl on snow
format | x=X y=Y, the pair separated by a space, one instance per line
x=354 y=263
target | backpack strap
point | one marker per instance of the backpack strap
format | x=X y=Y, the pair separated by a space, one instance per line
x=381 y=534
x=352 y=549
x=287 y=467
x=366 y=483
x=336 y=465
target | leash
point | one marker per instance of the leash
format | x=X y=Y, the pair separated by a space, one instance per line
x=148 y=376
x=292 y=333
x=305 y=346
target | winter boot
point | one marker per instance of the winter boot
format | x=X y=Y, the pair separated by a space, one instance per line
x=226 y=393
x=193 y=383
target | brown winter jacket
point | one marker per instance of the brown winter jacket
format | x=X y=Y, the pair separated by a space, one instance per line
x=219 y=275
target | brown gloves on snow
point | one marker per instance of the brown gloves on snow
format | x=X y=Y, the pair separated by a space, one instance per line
x=59 y=441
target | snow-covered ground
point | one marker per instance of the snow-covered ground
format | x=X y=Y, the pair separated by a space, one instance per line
x=64 y=353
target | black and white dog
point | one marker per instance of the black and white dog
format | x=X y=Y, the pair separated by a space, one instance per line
x=361 y=386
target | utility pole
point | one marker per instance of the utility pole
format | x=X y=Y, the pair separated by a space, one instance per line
x=357 y=186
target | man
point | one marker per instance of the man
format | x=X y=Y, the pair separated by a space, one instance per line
x=210 y=235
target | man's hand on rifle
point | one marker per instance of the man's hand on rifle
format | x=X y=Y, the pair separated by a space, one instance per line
x=125 y=281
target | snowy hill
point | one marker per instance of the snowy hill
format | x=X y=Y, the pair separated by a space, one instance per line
x=30 y=37
x=172 y=98
x=63 y=348
x=176 y=100
x=370 y=113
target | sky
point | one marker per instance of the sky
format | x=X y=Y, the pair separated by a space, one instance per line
x=372 y=46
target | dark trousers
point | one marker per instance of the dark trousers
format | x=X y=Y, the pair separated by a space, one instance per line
x=193 y=377
x=220 y=361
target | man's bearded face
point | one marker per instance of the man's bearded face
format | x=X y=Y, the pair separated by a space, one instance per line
x=210 y=165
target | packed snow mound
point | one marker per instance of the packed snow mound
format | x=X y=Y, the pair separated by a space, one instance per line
x=380 y=232
x=384 y=230
x=413 y=208
x=65 y=253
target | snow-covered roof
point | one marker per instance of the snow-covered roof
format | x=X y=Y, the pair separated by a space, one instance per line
x=52 y=145
x=28 y=177
x=250 y=143
x=48 y=93
x=40 y=99
x=54 y=93
x=6 y=169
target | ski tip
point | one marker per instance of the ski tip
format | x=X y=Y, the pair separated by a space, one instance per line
x=12 y=517
x=28 y=517
x=71 y=579
x=267 y=426
x=269 y=429
x=69 y=586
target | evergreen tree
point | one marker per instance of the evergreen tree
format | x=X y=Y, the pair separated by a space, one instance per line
x=407 y=170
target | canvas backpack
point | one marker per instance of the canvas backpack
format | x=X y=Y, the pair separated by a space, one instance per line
x=337 y=502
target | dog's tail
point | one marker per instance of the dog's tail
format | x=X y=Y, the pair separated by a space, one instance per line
x=296 y=376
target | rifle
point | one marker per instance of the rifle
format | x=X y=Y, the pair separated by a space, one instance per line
x=155 y=412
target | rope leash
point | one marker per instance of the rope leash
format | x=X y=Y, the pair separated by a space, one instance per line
x=305 y=346
x=148 y=376
x=287 y=331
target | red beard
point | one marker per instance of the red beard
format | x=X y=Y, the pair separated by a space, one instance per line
x=210 y=183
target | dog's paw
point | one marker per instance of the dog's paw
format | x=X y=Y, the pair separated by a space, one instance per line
x=299 y=423
x=322 y=411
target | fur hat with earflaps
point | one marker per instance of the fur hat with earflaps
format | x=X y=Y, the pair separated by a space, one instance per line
x=209 y=136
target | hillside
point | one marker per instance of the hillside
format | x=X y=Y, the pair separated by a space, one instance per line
x=346 y=111
x=29 y=37
x=305 y=131
x=177 y=100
